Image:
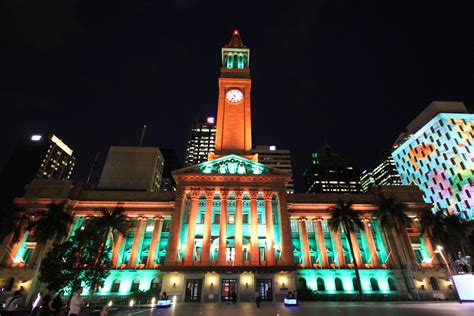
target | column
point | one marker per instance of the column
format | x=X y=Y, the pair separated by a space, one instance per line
x=189 y=254
x=253 y=228
x=173 y=239
x=206 y=236
x=304 y=242
x=356 y=247
x=239 y=195
x=371 y=243
x=340 y=251
x=267 y=195
x=222 y=260
x=116 y=250
x=136 y=242
x=286 y=243
x=155 y=242
x=427 y=240
x=319 y=234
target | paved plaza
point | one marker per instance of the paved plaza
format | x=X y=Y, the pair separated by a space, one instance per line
x=312 y=308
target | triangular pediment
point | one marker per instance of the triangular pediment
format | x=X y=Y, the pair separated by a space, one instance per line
x=229 y=165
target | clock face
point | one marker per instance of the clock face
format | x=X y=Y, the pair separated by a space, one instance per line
x=234 y=95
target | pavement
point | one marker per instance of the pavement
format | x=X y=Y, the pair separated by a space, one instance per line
x=310 y=308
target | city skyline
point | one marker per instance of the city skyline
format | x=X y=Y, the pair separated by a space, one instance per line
x=347 y=61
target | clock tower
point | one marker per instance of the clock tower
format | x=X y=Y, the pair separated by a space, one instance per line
x=234 y=125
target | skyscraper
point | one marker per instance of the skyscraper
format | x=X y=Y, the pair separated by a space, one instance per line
x=437 y=154
x=41 y=156
x=171 y=163
x=132 y=168
x=201 y=141
x=276 y=158
x=329 y=173
x=385 y=173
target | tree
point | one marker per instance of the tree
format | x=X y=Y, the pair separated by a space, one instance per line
x=48 y=226
x=391 y=215
x=345 y=218
x=12 y=218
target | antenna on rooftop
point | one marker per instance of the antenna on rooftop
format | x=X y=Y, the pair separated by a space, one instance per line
x=143 y=135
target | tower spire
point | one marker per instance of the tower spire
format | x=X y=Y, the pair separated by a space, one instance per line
x=236 y=40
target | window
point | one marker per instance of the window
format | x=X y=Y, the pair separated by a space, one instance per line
x=392 y=285
x=231 y=219
x=115 y=286
x=135 y=285
x=245 y=218
x=186 y=218
x=338 y=284
x=259 y=218
x=217 y=218
x=374 y=284
x=166 y=226
x=321 y=285
x=275 y=219
x=355 y=284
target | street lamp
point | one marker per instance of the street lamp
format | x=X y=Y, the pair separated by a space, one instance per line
x=439 y=249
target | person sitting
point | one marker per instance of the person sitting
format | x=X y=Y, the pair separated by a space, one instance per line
x=164 y=296
x=289 y=295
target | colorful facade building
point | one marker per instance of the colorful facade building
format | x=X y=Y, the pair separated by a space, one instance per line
x=437 y=155
x=230 y=226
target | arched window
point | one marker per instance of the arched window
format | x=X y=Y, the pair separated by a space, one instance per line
x=155 y=283
x=241 y=61
x=230 y=60
x=338 y=283
x=135 y=285
x=236 y=61
x=9 y=284
x=374 y=284
x=302 y=283
x=434 y=284
x=355 y=284
x=115 y=286
x=321 y=285
x=392 y=285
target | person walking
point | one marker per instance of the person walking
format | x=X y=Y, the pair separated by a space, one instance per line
x=45 y=303
x=56 y=304
x=76 y=303
x=258 y=298
x=11 y=303
x=35 y=308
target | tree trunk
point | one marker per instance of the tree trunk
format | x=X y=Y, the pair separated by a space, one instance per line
x=356 y=268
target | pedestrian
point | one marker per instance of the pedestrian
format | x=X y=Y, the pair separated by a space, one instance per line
x=234 y=297
x=45 y=303
x=76 y=303
x=289 y=295
x=56 y=304
x=35 y=308
x=257 y=298
x=11 y=303
x=104 y=311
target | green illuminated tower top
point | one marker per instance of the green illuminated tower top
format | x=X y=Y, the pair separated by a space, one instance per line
x=235 y=58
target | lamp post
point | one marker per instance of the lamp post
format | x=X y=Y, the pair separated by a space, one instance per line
x=439 y=249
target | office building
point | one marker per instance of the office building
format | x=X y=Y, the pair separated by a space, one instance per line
x=277 y=158
x=201 y=141
x=385 y=173
x=329 y=173
x=40 y=156
x=437 y=154
x=171 y=163
x=132 y=168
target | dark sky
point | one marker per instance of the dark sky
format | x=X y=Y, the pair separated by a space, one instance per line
x=352 y=73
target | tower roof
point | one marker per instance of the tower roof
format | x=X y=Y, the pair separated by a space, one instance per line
x=236 y=41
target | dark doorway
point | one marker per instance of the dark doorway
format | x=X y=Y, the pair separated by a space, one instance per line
x=228 y=286
x=193 y=290
x=264 y=286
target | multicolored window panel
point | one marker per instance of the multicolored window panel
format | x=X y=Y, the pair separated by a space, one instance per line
x=439 y=159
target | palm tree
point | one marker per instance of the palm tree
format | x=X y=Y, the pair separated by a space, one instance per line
x=345 y=218
x=456 y=232
x=49 y=226
x=12 y=218
x=391 y=215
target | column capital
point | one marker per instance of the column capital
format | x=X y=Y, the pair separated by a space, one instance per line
x=195 y=193
x=239 y=193
x=253 y=194
x=267 y=195
x=317 y=219
x=224 y=194
x=210 y=193
x=301 y=219
x=160 y=218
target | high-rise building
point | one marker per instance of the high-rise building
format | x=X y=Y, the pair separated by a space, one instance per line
x=437 y=154
x=132 y=168
x=385 y=173
x=329 y=173
x=201 y=141
x=276 y=158
x=171 y=163
x=40 y=156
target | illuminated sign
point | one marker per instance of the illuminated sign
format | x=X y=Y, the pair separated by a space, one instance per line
x=210 y=120
x=35 y=138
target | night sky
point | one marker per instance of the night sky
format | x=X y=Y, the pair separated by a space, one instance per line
x=352 y=73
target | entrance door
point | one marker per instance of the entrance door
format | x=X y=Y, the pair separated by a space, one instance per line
x=193 y=290
x=264 y=286
x=228 y=286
